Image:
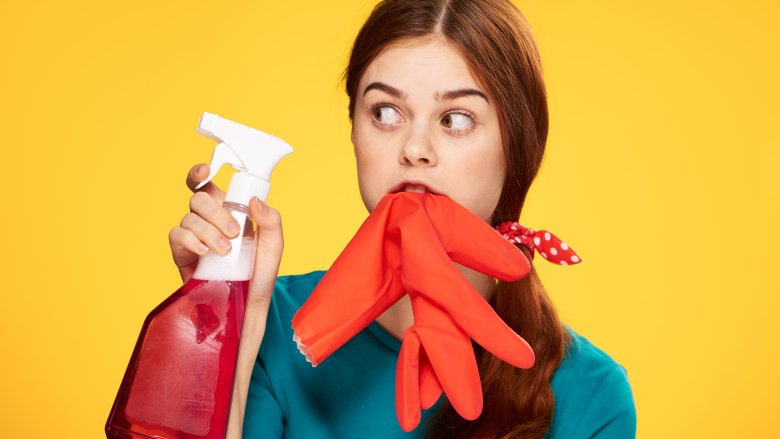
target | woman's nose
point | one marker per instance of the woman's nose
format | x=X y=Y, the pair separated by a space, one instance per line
x=418 y=151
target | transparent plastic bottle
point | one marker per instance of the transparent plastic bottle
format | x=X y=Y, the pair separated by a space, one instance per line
x=179 y=381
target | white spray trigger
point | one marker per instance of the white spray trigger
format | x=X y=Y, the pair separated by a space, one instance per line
x=251 y=152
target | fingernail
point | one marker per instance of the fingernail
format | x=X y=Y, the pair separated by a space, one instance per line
x=224 y=244
x=202 y=248
x=233 y=228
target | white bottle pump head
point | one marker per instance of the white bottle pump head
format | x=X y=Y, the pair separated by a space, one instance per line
x=251 y=152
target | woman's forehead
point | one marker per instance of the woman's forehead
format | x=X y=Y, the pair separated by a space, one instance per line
x=419 y=66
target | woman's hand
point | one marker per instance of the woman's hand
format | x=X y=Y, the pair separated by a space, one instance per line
x=208 y=227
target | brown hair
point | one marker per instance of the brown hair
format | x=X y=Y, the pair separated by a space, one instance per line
x=499 y=47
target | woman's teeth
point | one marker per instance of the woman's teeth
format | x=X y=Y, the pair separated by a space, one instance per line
x=414 y=188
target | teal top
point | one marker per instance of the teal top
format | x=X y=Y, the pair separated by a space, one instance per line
x=352 y=393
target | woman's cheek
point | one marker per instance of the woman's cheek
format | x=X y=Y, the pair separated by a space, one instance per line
x=368 y=180
x=480 y=204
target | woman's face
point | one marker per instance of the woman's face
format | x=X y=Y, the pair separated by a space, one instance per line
x=420 y=116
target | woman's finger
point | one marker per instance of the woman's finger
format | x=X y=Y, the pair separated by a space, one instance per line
x=186 y=249
x=211 y=210
x=268 y=255
x=185 y=239
x=206 y=233
x=199 y=173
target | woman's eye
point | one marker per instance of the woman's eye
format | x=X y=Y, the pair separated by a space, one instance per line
x=386 y=115
x=457 y=122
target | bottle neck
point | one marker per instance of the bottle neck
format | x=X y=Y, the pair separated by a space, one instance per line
x=243 y=186
x=238 y=263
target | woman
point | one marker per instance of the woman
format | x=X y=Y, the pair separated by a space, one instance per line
x=448 y=96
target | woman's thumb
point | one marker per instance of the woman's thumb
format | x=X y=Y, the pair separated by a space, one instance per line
x=268 y=255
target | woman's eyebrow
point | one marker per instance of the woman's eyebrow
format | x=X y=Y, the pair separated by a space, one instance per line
x=446 y=95
x=459 y=93
x=389 y=89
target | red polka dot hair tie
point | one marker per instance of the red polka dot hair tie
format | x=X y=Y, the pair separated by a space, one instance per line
x=547 y=244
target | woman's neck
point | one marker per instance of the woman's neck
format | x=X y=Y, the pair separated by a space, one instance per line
x=399 y=316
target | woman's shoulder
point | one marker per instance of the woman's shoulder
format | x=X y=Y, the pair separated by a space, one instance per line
x=298 y=278
x=584 y=360
x=291 y=290
x=592 y=393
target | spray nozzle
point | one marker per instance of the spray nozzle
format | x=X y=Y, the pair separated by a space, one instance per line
x=251 y=152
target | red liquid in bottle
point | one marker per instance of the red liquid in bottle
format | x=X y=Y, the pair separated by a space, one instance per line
x=179 y=381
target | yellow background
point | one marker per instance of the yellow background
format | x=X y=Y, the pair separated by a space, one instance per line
x=661 y=172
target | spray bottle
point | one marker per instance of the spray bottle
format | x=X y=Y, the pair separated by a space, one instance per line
x=179 y=381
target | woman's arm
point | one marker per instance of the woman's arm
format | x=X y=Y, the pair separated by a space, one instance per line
x=270 y=244
x=251 y=339
x=611 y=413
x=201 y=230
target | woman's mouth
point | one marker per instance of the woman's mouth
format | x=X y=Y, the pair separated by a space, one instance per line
x=412 y=186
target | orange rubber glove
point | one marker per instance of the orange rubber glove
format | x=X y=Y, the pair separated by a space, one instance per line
x=408 y=244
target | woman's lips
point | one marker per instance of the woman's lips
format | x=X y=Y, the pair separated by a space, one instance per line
x=413 y=186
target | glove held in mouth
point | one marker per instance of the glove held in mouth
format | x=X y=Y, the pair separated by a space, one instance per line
x=408 y=245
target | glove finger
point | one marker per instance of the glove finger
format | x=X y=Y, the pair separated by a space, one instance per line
x=451 y=355
x=426 y=269
x=430 y=388
x=470 y=241
x=407 y=396
x=359 y=286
